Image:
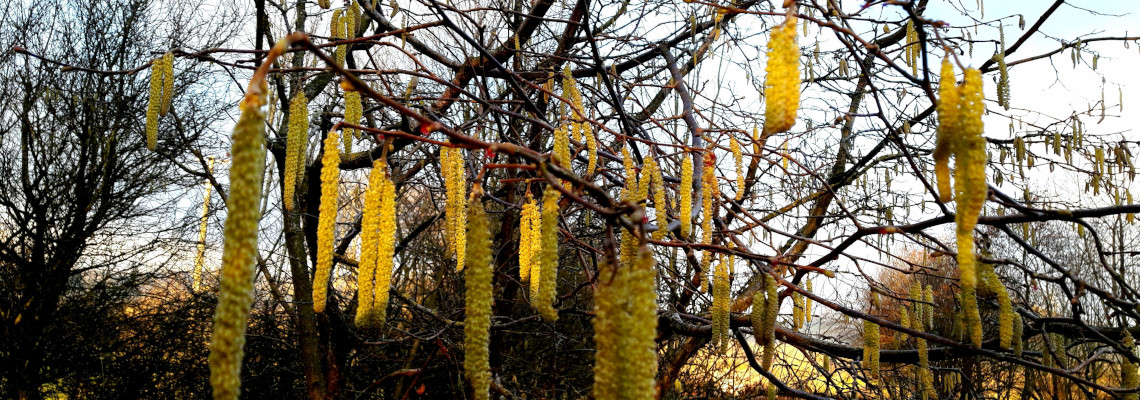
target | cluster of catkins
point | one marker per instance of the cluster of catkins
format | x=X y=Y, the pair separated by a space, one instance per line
x=344 y=25
x=161 y=92
x=765 y=309
x=377 y=247
x=960 y=109
x=913 y=49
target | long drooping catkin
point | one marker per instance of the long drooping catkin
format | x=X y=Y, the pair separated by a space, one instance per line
x=782 y=85
x=240 y=252
x=948 y=117
x=738 y=160
x=1129 y=377
x=326 y=223
x=154 y=106
x=771 y=311
x=477 y=326
x=970 y=176
x=548 y=262
x=658 y=185
x=971 y=320
x=591 y=149
x=528 y=227
x=720 y=306
x=200 y=259
x=640 y=349
x=295 y=145
x=369 y=245
x=167 y=82
x=386 y=249
x=1003 y=73
x=685 y=197
x=352 y=113
x=871 y=347
x=609 y=318
x=455 y=182
x=1005 y=308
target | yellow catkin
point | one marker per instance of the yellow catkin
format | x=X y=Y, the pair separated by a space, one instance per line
x=871 y=348
x=548 y=277
x=971 y=320
x=562 y=146
x=925 y=376
x=386 y=250
x=912 y=47
x=644 y=180
x=738 y=160
x=325 y=4
x=639 y=347
x=570 y=92
x=782 y=85
x=797 y=311
x=352 y=113
x=709 y=186
x=591 y=149
x=928 y=306
x=235 y=297
x=659 y=200
x=478 y=276
x=369 y=245
x=1005 y=309
x=1003 y=80
x=630 y=170
x=1018 y=344
x=771 y=311
x=295 y=145
x=528 y=222
x=685 y=194
x=167 y=82
x=970 y=175
x=904 y=317
x=1129 y=377
x=609 y=318
x=154 y=107
x=807 y=303
x=200 y=259
x=720 y=311
x=455 y=182
x=326 y=223
x=948 y=116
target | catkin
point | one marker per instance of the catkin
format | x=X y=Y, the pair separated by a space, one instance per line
x=386 y=249
x=369 y=245
x=640 y=348
x=720 y=311
x=591 y=149
x=1003 y=80
x=1005 y=310
x=548 y=263
x=928 y=306
x=562 y=146
x=871 y=347
x=948 y=116
x=167 y=82
x=630 y=172
x=352 y=113
x=240 y=251
x=708 y=180
x=295 y=145
x=771 y=311
x=971 y=320
x=200 y=259
x=326 y=224
x=738 y=159
x=970 y=175
x=1018 y=344
x=658 y=200
x=455 y=181
x=1130 y=378
x=797 y=311
x=478 y=274
x=609 y=318
x=913 y=52
x=529 y=231
x=782 y=85
x=154 y=106
x=685 y=192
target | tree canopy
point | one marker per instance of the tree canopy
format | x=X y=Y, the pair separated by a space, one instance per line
x=627 y=200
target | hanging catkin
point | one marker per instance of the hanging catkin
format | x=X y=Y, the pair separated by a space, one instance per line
x=685 y=194
x=326 y=223
x=154 y=106
x=782 y=85
x=1003 y=69
x=200 y=259
x=871 y=348
x=948 y=116
x=720 y=310
x=455 y=182
x=167 y=82
x=609 y=318
x=235 y=297
x=295 y=145
x=352 y=113
x=658 y=199
x=709 y=186
x=478 y=274
x=640 y=349
x=738 y=160
x=970 y=172
x=1129 y=377
x=547 y=279
x=529 y=233
x=369 y=245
